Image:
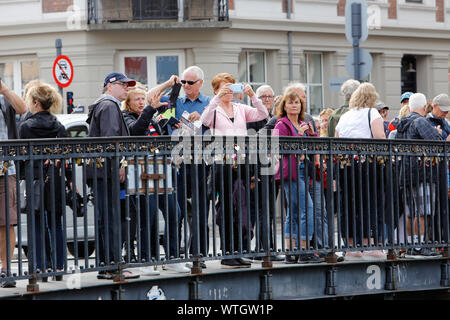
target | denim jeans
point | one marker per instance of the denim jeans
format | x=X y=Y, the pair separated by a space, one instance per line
x=200 y=241
x=148 y=232
x=108 y=232
x=47 y=242
x=318 y=198
x=298 y=193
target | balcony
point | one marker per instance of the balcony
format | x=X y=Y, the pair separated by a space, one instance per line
x=103 y=14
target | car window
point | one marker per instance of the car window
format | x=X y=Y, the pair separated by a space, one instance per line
x=77 y=131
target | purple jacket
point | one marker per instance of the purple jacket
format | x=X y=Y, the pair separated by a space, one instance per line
x=284 y=127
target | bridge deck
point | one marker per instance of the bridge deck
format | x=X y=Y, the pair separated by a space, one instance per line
x=282 y=281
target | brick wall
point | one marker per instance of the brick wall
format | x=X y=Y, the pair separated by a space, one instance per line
x=440 y=10
x=231 y=4
x=49 y=6
x=341 y=8
x=392 y=10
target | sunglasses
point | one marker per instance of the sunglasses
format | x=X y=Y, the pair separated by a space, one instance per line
x=123 y=84
x=189 y=82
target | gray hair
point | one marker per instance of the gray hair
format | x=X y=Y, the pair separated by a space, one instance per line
x=417 y=101
x=294 y=85
x=348 y=87
x=262 y=88
x=196 y=70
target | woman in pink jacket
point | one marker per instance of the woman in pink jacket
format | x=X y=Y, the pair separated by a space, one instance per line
x=228 y=118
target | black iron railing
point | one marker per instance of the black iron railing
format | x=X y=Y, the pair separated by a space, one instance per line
x=102 y=11
x=215 y=198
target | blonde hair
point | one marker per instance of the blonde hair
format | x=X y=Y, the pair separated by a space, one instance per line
x=131 y=93
x=29 y=85
x=47 y=95
x=365 y=96
x=324 y=112
x=404 y=111
x=327 y=111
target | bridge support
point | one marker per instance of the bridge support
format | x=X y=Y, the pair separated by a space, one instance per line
x=391 y=276
x=445 y=270
x=195 y=289
x=330 y=288
x=266 y=292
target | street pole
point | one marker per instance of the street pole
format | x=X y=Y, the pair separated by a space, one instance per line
x=289 y=34
x=58 y=45
x=356 y=35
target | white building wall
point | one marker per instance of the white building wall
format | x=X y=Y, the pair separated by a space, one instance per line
x=256 y=25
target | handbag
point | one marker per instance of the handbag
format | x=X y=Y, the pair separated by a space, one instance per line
x=35 y=193
x=77 y=205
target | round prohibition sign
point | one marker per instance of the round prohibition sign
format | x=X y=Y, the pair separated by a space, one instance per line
x=63 y=71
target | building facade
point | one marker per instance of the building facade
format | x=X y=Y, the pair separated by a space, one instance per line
x=258 y=41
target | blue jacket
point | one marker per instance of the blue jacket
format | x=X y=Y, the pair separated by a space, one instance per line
x=439 y=122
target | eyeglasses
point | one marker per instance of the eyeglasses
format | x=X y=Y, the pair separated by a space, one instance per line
x=190 y=82
x=123 y=84
x=265 y=97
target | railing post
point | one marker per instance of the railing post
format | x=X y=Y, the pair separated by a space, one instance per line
x=331 y=256
x=265 y=232
x=32 y=282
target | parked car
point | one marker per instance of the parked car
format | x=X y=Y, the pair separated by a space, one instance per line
x=76 y=127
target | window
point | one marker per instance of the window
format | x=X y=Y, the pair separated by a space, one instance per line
x=413 y=1
x=152 y=67
x=16 y=73
x=311 y=76
x=252 y=68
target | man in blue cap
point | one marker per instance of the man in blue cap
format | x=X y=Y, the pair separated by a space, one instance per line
x=106 y=120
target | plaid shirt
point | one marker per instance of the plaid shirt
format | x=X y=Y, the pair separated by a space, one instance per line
x=414 y=126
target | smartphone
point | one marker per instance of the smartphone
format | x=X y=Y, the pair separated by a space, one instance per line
x=237 y=87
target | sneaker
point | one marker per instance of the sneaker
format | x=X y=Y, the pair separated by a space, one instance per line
x=353 y=255
x=310 y=258
x=8 y=284
x=277 y=258
x=149 y=271
x=244 y=263
x=176 y=267
x=290 y=259
x=374 y=255
x=425 y=252
x=234 y=263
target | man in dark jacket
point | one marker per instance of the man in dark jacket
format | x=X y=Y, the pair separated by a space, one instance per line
x=441 y=107
x=416 y=126
x=10 y=104
x=106 y=120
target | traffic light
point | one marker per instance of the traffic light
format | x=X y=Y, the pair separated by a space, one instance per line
x=69 y=102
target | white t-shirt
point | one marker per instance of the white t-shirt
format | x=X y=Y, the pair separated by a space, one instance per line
x=355 y=123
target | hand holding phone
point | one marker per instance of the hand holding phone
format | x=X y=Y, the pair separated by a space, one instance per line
x=237 y=87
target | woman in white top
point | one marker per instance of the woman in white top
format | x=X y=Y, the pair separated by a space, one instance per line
x=362 y=120
x=355 y=122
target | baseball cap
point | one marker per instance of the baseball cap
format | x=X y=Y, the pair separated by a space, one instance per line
x=442 y=101
x=381 y=106
x=405 y=95
x=117 y=76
